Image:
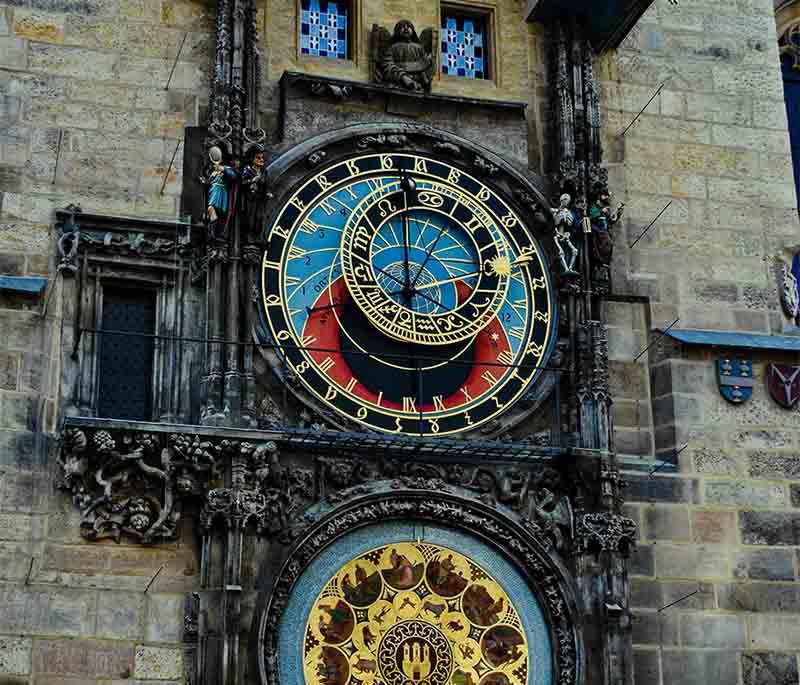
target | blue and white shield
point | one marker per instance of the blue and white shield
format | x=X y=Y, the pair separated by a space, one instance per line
x=735 y=378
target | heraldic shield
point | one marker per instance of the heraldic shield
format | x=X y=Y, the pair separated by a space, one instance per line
x=783 y=382
x=735 y=378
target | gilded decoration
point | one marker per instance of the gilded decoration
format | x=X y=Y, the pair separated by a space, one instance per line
x=413 y=612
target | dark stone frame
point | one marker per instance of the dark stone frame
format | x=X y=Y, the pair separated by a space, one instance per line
x=547 y=577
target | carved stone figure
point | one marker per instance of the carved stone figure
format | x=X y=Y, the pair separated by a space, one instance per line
x=403 y=60
x=254 y=193
x=603 y=219
x=219 y=180
x=567 y=228
x=551 y=508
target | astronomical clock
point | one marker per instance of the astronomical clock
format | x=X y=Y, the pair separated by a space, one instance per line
x=404 y=293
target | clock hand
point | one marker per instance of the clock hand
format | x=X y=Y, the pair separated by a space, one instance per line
x=444 y=280
x=408 y=186
x=312 y=310
x=427 y=257
x=400 y=292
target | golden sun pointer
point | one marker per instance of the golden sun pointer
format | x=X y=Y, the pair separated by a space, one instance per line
x=500 y=266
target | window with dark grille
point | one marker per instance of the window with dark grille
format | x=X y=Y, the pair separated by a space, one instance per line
x=325 y=28
x=791 y=89
x=465 y=43
x=126 y=361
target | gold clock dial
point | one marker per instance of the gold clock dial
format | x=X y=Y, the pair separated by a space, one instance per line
x=407 y=295
x=413 y=612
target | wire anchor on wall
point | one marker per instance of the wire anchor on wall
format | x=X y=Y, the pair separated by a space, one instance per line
x=30 y=569
x=166 y=173
x=661 y=335
x=650 y=225
x=153 y=579
x=664 y=462
x=58 y=154
x=175 y=63
x=641 y=111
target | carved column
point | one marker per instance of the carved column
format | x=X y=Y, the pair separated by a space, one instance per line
x=228 y=396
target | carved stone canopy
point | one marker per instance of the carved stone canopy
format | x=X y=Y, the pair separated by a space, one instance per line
x=607 y=21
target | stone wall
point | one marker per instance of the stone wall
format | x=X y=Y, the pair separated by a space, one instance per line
x=86 y=120
x=722 y=527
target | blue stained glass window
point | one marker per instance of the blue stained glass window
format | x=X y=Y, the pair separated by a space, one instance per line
x=464 y=46
x=324 y=26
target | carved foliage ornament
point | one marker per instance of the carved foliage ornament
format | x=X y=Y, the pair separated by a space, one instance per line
x=545 y=577
x=134 y=484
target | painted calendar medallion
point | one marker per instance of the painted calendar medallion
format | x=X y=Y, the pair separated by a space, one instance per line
x=368 y=631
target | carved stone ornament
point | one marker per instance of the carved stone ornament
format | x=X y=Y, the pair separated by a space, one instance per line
x=789 y=290
x=402 y=59
x=605 y=532
x=133 y=483
x=412 y=501
x=789 y=44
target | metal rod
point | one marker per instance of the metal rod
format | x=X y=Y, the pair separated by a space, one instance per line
x=663 y=333
x=175 y=63
x=306 y=348
x=649 y=226
x=58 y=155
x=155 y=575
x=678 y=601
x=30 y=568
x=664 y=462
x=166 y=176
x=641 y=111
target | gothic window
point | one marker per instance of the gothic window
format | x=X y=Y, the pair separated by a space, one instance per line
x=126 y=359
x=465 y=43
x=790 y=66
x=325 y=28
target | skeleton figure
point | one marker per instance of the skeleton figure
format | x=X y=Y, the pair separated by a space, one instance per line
x=566 y=224
x=403 y=60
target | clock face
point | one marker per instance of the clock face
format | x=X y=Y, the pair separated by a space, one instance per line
x=407 y=295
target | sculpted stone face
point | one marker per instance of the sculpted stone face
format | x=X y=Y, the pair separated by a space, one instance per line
x=404 y=29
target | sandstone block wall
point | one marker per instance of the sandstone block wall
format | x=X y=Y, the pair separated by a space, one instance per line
x=720 y=527
x=89 y=75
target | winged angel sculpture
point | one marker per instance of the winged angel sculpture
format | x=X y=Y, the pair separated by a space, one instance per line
x=403 y=59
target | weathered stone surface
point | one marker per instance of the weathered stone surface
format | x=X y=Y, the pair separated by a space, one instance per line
x=120 y=614
x=775 y=465
x=15 y=655
x=744 y=494
x=666 y=523
x=158 y=663
x=765 y=564
x=768 y=668
x=761 y=597
x=164 y=618
x=661 y=489
x=700 y=561
x=714 y=526
x=646 y=665
x=85 y=657
x=714 y=631
x=700 y=667
x=769 y=528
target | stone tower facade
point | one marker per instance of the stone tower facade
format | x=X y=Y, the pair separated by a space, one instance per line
x=330 y=356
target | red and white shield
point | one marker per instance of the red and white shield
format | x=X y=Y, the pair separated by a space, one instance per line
x=784 y=384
